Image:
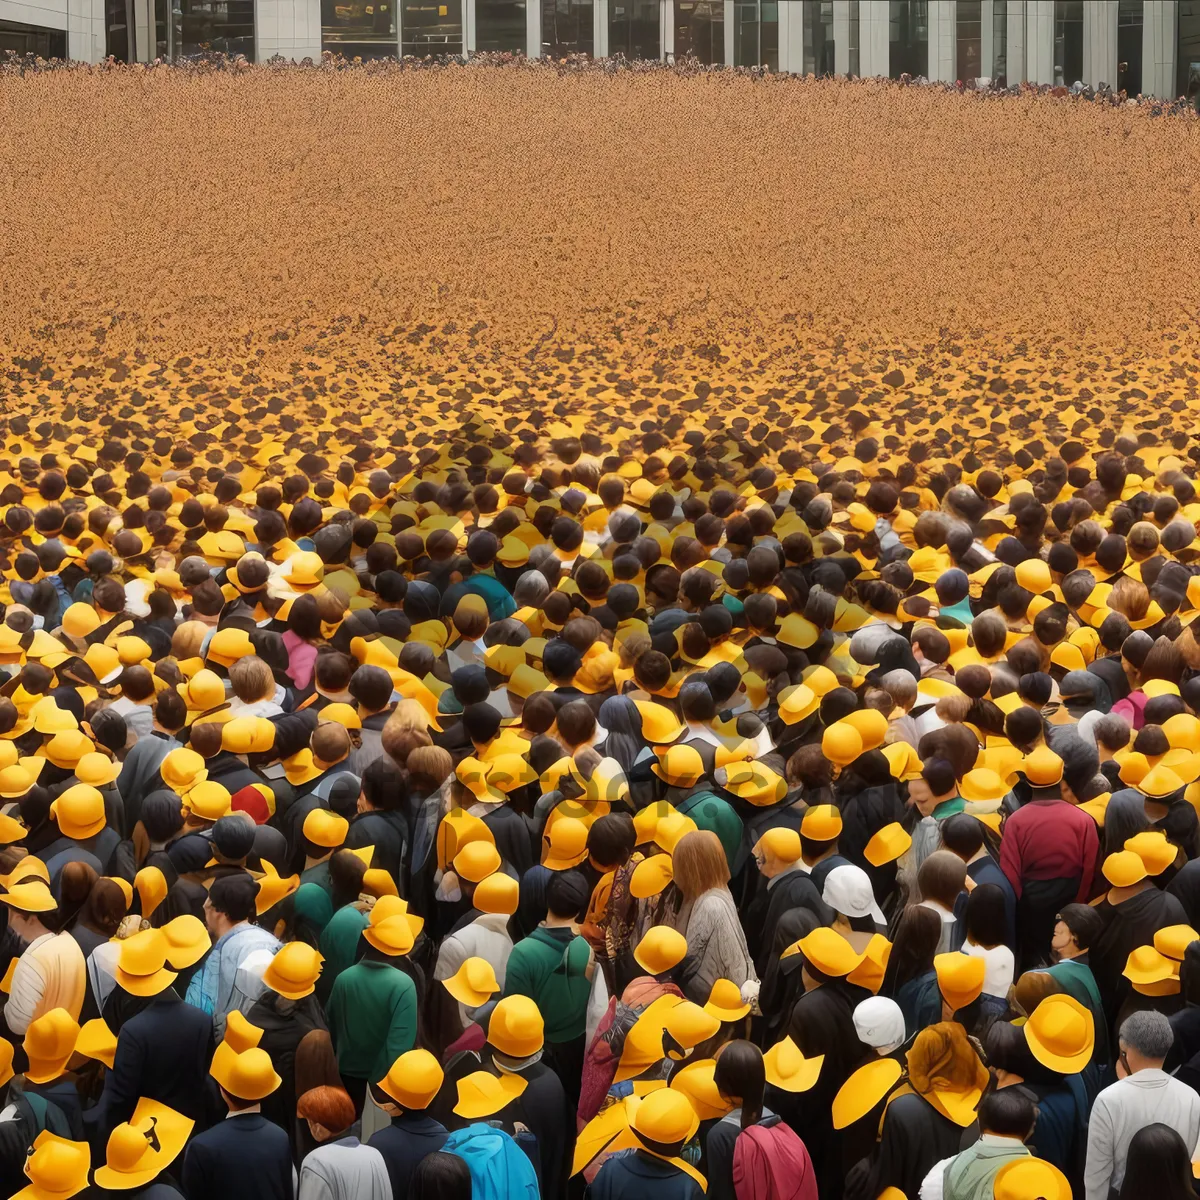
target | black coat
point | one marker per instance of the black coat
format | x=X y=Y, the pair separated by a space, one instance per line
x=544 y=1109
x=794 y=890
x=388 y=833
x=915 y=1136
x=403 y=1143
x=284 y=1024
x=241 y=1158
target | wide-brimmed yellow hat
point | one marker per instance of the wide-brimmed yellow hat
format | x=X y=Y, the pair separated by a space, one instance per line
x=476 y=861
x=1030 y=1179
x=959 y=978
x=498 y=893
x=564 y=845
x=1061 y=1034
x=414 y=1079
x=227 y=645
x=787 y=1069
x=182 y=769
x=516 y=1027
x=141 y=1149
x=33 y=896
x=56 y=1167
x=1152 y=847
x=96 y=770
x=983 y=786
x=797 y=702
x=725 y=1001
x=1146 y=968
x=141 y=966
x=829 y=953
x=392 y=936
x=188 y=941
x=660 y=949
x=1173 y=940
x=863 y=1090
x=20 y=778
x=755 y=783
x=483 y=1094
x=305 y=571
x=841 y=743
x=273 y=887
x=887 y=844
x=97 y=1041
x=248 y=1075
x=473 y=984
x=660 y=726
x=1160 y=781
x=1124 y=868
x=78 y=812
x=294 y=970
x=821 y=823
x=697 y=1081
x=67 y=748
x=49 y=1043
x=679 y=766
x=240 y=1035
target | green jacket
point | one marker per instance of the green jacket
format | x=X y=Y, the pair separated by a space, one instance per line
x=548 y=966
x=339 y=945
x=372 y=1019
x=711 y=812
x=971 y=1175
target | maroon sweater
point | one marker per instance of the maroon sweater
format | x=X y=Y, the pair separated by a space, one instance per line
x=1049 y=839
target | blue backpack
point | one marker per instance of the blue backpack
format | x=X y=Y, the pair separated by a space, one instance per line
x=499 y=1168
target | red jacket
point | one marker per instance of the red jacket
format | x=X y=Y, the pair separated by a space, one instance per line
x=1049 y=839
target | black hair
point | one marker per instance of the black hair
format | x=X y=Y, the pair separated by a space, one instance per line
x=234 y=896
x=611 y=839
x=741 y=1075
x=440 y=1176
x=987 y=921
x=162 y=815
x=1157 y=1164
x=567 y=894
x=963 y=834
x=384 y=784
x=1084 y=922
x=1008 y=1112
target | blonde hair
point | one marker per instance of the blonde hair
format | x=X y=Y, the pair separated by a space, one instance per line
x=699 y=863
x=251 y=679
x=431 y=764
x=187 y=640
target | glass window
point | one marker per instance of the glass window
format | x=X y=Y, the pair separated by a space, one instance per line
x=429 y=29
x=1130 y=16
x=355 y=28
x=633 y=28
x=1068 y=42
x=119 y=31
x=756 y=34
x=854 y=52
x=999 y=63
x=908 y=38
x=500 y=26
x=32 y=39
x=700 y=30
x=818 y=38
x=1188 y=50
x=968 y=49
x=567 y=28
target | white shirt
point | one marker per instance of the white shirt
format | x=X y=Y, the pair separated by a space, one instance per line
x=1121 y=1110
x=998 y=967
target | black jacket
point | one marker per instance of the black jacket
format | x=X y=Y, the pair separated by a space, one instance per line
x=403 y=1143
x=243 y=1157
x=284 y=1024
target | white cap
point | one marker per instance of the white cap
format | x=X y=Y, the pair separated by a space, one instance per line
x=879 y=1023
x=848 y=891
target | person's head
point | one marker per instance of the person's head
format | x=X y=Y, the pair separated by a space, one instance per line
x=699 y=863
x=741 y=1077
x=962 y=834
x=230 y=902
x=987 y=921
x=1007 y=1112
x=346 y=871
x=918 y=933
x=1144 y=1040
x=611 y=841
x=383 y=786
x=1157 y=1164
x=251 y=679
x=937 y=782
x=1075 y=929
x=941 y=877
x=440 y=1176
x=329 y=1111
x=371 y=687
x=170 y=711
x=567 y=896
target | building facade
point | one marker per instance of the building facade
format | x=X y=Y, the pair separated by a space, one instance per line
x=1148 y=46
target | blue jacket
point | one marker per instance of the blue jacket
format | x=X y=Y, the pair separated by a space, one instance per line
x=214 y=988
x=241 y=1158
x=404 y=1143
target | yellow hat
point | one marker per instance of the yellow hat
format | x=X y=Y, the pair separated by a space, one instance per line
x=1030 y=1179
x=686 y=1023
x=1034 y=575
x=1160 y=781
x=959 y=977
x=660 y=949
x=132 y=650
x=248 y=1075
x=797 y=702
x=203 y=692
x=227 y=645
x=473 y=984
x=903 y=762
x=841 y=743
x=797 y=631
x=457 y=829
x=151 y=886
x=483 y=1094
x=273 y=887
x=377 y=882
x=498 y=893
x=209 y=800
x=34 y=896
x=887 y=844
x=787 y=1068
x=188 y=941
x=781 y=843
x=1135 y=766
x=564 y=845
x=104 y=661
x=725 y=1001
x=680 y=766
x=1152 y=847
x=96 y=769
x=1173 y=940
x=526 y=680
x=140 y=1149
x=394 y=906
x=828 y=952
x=516 y=1027
x=1061 y=1034
x=78 y=812
x=660 y=726
x=1043 y=768
x=1124 y=868
x=414 y=1080
x=49 y=718
x=240 y=1036
x=1145 y=965
x=871 y=724
x=65 y=749
x=755 y=783
x=821 y=823
x=58 y=1168
x=49 y=1043
x=665 y=1118
x=301 y=768
x=1183 y=731
x=983 y=786
x=97 y=1041
x=325 y=829
x=79 y=620
x=182 y=769
x=651 y=876
x=16 y=780
x=392 y=936
x=294 y=971
x=141 y=966
x=305 y=571
x=697 y=1081
x=863 y=1090
x=476 y=861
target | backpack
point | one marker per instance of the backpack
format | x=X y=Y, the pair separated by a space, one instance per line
x=499 y=1169
x=771 y=1163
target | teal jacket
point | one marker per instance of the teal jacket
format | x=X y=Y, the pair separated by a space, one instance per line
x=710 y=812
x=372 y=1018
x=549 y=967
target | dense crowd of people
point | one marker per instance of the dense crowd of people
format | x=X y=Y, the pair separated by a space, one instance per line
x=547 y=821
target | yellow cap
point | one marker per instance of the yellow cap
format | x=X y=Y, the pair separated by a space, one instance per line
x=1061 y=1034
x=821 y=823
x=1173 y=940
x=1152 y=847
x=78 y=812
x=660 y=949
x=294 y=971
x=498 y=893
x=248 y=1075
x=826 y=951
x=414 y=1080
x=483 y=1094
x=56 y=1167
x=476 y=861
x=887 y=844
x=1124 y=868
x=141 y=965
x=1030 y=1179
x=725 y=1001
x=564 y=845
x=473 y=984
x=780 y=843
x=679 y=766
x=325 y=829
x=841 y=743
x=651 y=876
x=49 y=1043
x=660 y=726
x=1043 y=768
x=960 y=978
x=863 y=1090
x=787 y=1069
x=516 y=1027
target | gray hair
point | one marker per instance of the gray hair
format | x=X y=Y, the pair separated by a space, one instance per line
x=532 y=589
x=1149 y=1033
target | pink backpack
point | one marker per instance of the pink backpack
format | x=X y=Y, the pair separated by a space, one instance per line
x=771 y=1163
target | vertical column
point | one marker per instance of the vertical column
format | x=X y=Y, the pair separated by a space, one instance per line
x=942 y=34
x=533 y=28
x=873 y=20
x=791 y=36
x=987 y=34
x=85 y=30
x=1039 y=47
x=468 y=27
x=727 y=29
x=1160 y=45
x=841 y=36
x=1100 y=43
x=600 y=28
x=1015 y=50
x=143 y=22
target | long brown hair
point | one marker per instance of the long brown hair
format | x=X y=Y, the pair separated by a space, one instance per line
x=699 y=863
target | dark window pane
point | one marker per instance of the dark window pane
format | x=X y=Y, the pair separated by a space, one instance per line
x=567 y=27
x=756 y=34
x=700 y=30
x=1068 y=42
x=908 y=38
x=431 y=29
x=818 y=38
x=1188 y=56
x=32 y=39
x=633 y=28
x=500 y=25
x=999 y=63
x=968 y=57
x=359 y=28
x=1130 y=17
x=217 y=27
x=119 y=31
